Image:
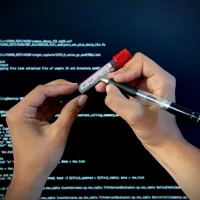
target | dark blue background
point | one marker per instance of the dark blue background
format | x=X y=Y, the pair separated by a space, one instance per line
x=166 y=31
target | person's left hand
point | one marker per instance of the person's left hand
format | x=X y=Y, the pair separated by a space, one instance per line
x=37 y=144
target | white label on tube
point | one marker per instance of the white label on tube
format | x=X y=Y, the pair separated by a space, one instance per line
x=95 y=78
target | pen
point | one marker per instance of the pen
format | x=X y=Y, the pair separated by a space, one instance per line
x=149 y=99
x=118 y=61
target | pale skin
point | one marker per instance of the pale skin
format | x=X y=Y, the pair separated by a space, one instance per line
x=31 y=131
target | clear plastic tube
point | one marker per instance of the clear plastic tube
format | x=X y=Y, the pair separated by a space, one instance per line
x=119 y=60
x=95 y=78
x=149 y=99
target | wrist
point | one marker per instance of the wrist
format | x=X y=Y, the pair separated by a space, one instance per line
x=166 y=145
x=182 y=161
x=25 y=187
x=169 y=152
x=162 y=137
x=28 y=179
x=27 y=175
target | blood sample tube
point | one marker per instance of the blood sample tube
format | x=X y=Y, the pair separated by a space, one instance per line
x=119 y=60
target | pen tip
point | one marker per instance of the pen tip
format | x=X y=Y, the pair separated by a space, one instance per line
x=104 y=79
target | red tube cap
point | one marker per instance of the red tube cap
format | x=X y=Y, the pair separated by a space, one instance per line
x=122 y=57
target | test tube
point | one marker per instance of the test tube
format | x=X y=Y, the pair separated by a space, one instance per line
x=118 y=61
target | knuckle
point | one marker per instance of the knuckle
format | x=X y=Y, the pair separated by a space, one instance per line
x=173 y=80
x=161 y=81
x=169 y=82
x=72 y=110
x=161 y=84
x=136 y=116
x=39 y=88
x=109 y=100
x=134 y=119
x=139 y=55
x=56 y=130
x=10 y=116
x=112 y=88
x=61 y=81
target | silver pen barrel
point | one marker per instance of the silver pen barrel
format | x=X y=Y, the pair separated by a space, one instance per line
x=149 y=99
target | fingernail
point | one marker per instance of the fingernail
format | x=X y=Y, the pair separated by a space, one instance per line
x=108 y=88
x=117 y=77
x=82 y=100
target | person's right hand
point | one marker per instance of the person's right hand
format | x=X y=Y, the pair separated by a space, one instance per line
x=152 y=125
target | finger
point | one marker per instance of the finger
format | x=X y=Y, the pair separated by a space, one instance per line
x=132 y=70
x=101 y=87
x=68 y=114
x=158 y=81
x=128 y=76
x=130 y=111
x=139 y=65
x=59 y=82
x=37 y=96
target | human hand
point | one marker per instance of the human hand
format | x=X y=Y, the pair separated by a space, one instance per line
x=38 y=145
x=152 y=125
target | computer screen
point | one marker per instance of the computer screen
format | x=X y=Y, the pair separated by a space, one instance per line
x=41 y=41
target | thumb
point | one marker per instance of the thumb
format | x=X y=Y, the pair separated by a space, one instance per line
x=69 y=113
x=130 y=111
